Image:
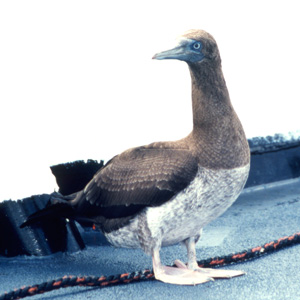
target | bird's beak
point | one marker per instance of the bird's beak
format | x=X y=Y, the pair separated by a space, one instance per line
x=178 y=52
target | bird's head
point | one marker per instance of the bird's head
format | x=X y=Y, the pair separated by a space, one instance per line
x=193 y=47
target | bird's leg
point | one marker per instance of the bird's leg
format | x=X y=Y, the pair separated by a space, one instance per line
x=193 y=265
x=173 y=275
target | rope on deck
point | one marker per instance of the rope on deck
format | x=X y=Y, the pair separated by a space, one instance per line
x=126 y=278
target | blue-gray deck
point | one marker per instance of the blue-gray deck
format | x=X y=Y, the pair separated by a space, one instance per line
x=258 y=216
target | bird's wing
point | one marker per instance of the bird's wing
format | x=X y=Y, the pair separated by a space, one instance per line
x=138 y=178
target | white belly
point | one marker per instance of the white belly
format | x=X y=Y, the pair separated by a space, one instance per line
x=210 y=194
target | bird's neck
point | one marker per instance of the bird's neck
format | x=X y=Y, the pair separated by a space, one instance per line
x=218 y=136
x=210 y=98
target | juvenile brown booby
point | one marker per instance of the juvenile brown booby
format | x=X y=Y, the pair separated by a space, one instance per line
x=166 y=192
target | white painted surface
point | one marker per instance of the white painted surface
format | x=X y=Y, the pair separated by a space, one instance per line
x=214 y=236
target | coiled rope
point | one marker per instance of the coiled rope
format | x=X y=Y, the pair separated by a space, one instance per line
x=126 y=278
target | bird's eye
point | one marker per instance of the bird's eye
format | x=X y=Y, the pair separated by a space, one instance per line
x=197 y=46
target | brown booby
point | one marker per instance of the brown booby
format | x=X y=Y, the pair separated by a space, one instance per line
x=165 y=193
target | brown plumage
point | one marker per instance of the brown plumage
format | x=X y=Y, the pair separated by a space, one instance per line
x=133 y=180
x=165 y=192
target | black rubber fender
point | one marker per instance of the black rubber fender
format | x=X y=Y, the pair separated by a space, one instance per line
x=72 y=177
x=45 y=238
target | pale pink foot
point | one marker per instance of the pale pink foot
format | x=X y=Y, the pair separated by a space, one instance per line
x=180 y=276
x=173 y=275
x=211 y=273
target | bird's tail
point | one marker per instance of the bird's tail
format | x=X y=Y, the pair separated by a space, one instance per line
x=59 y=206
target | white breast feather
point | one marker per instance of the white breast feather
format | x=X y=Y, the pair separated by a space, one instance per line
x=210 y=194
